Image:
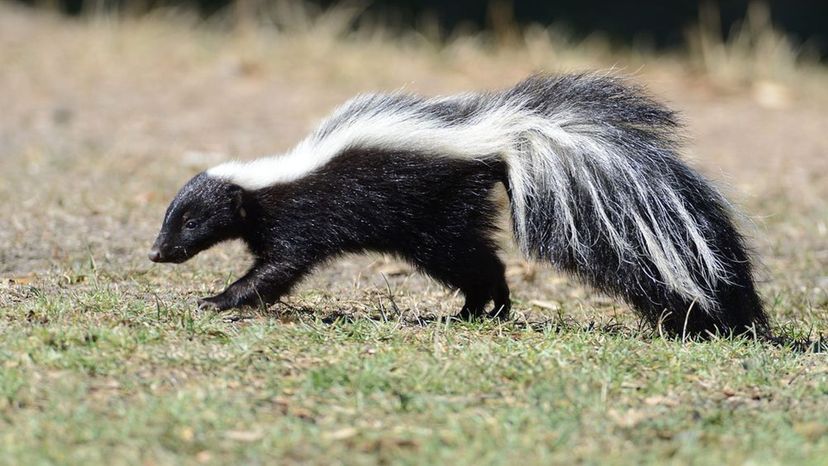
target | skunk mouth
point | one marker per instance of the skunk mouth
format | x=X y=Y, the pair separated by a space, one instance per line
x=157 y=256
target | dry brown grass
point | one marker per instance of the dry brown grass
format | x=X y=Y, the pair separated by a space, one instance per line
x=752 y=51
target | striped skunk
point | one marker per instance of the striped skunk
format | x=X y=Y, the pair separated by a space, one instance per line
x=591 y=169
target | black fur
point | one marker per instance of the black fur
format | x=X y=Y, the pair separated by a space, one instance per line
x=437 y=213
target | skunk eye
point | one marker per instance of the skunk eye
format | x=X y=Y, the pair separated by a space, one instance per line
x=191 y=224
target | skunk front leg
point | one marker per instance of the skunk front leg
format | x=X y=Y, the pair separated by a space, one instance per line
x=262 y=285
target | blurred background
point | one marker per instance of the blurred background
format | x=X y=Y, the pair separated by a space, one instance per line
x=645 y=23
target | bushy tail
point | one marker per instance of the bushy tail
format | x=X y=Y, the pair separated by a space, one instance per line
x=597 y=188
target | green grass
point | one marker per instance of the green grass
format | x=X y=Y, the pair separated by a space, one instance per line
x=95 y=375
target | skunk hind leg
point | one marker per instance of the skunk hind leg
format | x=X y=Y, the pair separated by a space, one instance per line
x=479 y=274
x=481 y=277
x=500 y=295
x=478 y=294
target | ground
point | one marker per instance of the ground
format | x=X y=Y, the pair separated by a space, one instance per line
x=104 y=358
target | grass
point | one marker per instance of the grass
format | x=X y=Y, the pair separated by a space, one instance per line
x=105 y=360
x=101 y=376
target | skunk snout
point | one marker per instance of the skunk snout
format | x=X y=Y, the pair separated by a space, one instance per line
x=163 y=250
x=154 y=255
x=160 y=250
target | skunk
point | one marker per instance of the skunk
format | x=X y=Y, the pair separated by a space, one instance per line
x=590 y=166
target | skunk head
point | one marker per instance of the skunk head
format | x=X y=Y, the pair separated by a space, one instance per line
x=206 y=211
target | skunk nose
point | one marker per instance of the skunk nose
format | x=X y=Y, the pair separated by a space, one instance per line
x=154 y=255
